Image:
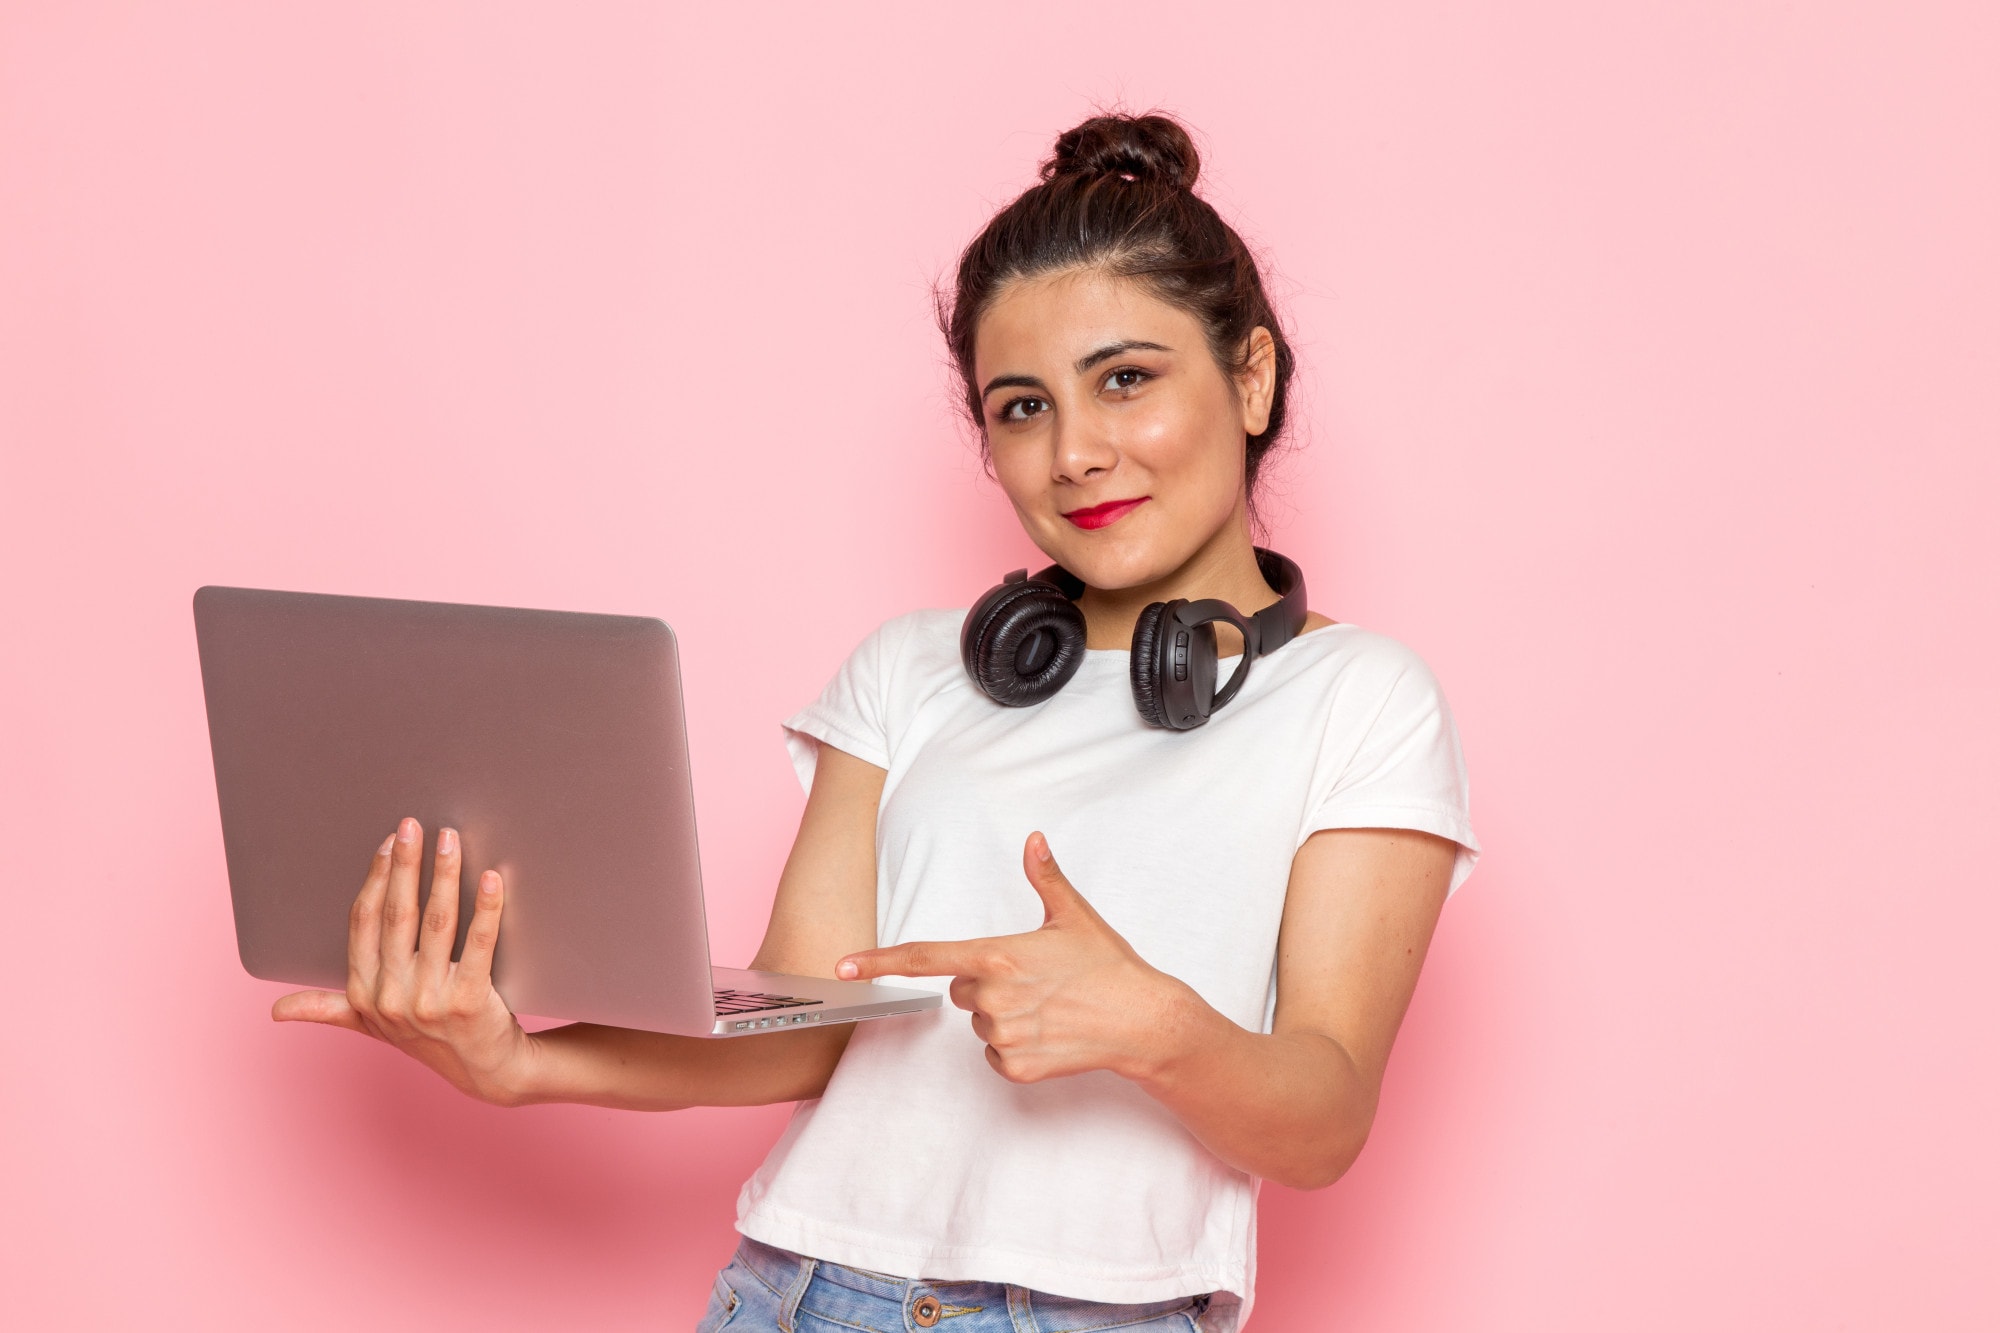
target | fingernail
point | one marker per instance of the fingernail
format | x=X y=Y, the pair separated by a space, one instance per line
x=1042 y=848
x=489 y=884
x=846 y=968
x=387 y=843
x=406 y=831
x=447 y=841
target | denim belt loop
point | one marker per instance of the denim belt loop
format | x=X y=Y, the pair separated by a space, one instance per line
x=1019 y=1310
x=788 y=1311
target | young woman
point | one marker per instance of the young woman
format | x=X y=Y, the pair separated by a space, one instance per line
x=1228 y=871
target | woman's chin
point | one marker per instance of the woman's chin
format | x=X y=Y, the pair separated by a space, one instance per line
x=1111 y=564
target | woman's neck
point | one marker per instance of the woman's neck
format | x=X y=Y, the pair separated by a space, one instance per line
x=1225 y=566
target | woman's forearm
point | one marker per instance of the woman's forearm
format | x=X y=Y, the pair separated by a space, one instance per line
x=632 y=1070
x=1290 y=1106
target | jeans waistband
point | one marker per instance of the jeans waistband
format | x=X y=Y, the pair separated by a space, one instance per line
x=780 y=1269
x=788 y=1275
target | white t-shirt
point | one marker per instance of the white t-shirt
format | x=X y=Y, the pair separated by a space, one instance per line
x=919 y=1159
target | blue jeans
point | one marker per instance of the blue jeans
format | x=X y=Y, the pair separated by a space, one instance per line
x=764 y=1289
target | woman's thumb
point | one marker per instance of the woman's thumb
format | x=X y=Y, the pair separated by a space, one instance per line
x=1058 y=894
x=317 y=1006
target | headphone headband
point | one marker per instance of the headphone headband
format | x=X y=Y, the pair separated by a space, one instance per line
x=1280 y=622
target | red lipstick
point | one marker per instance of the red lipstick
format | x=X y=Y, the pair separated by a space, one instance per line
x=1104 y=515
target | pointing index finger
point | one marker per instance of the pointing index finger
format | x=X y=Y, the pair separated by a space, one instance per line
x=918 y=958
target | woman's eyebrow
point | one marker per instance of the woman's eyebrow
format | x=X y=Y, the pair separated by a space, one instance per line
x=1109 y=350
x=1012 y=382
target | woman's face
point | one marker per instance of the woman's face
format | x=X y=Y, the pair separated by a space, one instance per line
x=1112 y=429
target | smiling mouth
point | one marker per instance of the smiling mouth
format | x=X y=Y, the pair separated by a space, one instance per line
x=1099 y=516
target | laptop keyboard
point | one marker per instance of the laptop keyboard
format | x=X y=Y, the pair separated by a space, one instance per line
x=729 y=1002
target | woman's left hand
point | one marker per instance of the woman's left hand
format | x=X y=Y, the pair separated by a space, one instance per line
x=1068 y=997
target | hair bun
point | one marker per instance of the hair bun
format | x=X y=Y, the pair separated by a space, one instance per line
x=1147 y=148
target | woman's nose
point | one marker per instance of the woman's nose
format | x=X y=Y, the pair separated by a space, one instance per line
x=1083 y=449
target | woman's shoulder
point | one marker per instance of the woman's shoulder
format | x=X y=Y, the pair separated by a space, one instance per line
x=1355 y=659
x=924 y=633
x=915 y=649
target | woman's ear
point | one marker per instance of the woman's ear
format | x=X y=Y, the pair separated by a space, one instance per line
x=1258 y=380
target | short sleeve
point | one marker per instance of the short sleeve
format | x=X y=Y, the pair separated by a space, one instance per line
x=1391 y=759
x=852 y=712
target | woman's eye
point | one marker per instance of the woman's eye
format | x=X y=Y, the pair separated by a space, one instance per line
x=1020 y=409
x=1126 y=377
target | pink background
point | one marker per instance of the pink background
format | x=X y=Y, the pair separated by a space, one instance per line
x=1650 y=393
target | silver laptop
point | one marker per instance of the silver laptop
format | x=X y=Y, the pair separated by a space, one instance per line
x=553 y=741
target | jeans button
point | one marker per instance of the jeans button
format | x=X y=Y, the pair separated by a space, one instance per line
x=926 y=1310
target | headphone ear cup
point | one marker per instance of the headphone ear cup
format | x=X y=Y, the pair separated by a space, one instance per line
x=1022 y=642
x=1169 y=694
x=1146 y=665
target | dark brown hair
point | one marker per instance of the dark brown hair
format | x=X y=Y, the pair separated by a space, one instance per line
x=1118 y=194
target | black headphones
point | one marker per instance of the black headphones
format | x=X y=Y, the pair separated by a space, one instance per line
x=1023 y=640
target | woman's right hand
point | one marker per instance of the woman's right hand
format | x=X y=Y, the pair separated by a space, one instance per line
x=403 y=987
